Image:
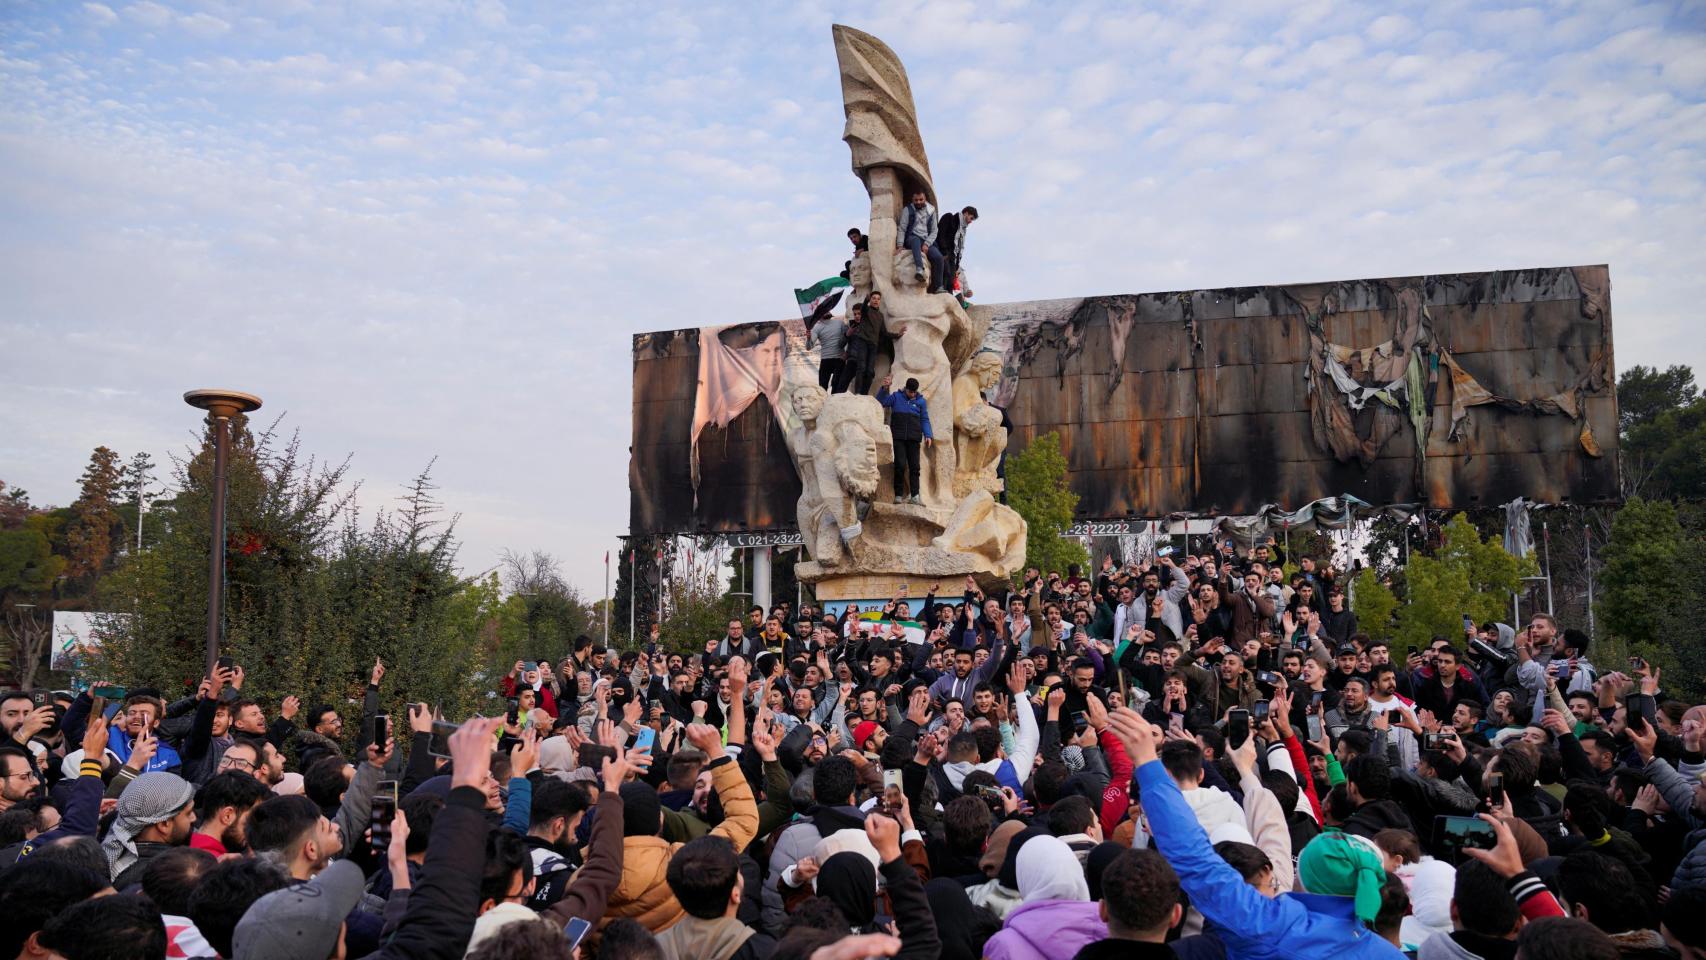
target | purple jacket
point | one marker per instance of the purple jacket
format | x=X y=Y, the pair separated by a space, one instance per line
x=1047 y=930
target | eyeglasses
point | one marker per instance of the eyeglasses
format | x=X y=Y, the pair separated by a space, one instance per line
x=239 y=762
x=22 y=775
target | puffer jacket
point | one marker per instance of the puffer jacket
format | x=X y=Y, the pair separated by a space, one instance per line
x=643 y=893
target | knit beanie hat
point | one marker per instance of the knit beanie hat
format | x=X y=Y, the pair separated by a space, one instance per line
x=1339 y=865
x=642 y=811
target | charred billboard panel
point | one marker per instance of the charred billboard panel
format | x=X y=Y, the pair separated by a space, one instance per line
x=1451 y=391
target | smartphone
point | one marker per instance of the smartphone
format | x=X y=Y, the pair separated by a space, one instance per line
x=514 y=710
x=1642 y=706
x=224 y=663
x=1411 y=651
x=891 y=778
x=1237 y=728
x=439 y=745
x=41 y=698
x=576 y=930
x=109 y=691
x=529 y=665
x=384 y=810
x=381 y=728
x=990 y=793
x=646 y=739
x=1636 y=663
x=1317 y=698
x=1495 y=784
x=1314 y=723
x=1453 y=835
x=1468 y=624
x=1259 y=712
x=1268 y=677
x=1435 y=741
x=593 y=755
x=1080 y=720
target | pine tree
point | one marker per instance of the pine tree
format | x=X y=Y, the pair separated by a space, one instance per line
x=89 y=538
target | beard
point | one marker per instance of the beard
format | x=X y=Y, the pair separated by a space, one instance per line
x=232 y=838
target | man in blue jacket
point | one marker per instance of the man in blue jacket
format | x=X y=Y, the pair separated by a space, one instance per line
x=909 y=423
x=1344 y=876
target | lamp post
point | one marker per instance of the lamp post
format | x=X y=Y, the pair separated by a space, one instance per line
x=221 y=405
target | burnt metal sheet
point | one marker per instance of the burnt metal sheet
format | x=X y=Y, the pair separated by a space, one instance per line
x=1200 y=402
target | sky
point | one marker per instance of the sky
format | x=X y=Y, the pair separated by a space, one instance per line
x=425 y=229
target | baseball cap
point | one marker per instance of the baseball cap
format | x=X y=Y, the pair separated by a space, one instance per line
x=300 y=922
x=1347 y=650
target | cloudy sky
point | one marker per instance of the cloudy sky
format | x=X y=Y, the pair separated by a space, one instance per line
x=422 y=228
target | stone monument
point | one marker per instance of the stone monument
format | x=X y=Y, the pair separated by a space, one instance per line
x=861 y=544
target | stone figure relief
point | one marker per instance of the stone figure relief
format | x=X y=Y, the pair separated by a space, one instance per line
x=845 y=519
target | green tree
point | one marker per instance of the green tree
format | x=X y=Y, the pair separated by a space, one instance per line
x=1644 y=393
x=89 y=536
x=1037 y=489
x=1374 y=604
x=1467 y=574
x=1651 y=598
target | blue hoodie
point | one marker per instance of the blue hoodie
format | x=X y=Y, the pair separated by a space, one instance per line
x=164 y=758
x=1250 y=924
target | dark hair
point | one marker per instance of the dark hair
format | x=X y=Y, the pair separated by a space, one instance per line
x=35 y=890
x=834 y=781
x=988 y=743
x=1588 y=806
x=1484 y=903
x=1046 y=783
x=529 y=940
x=702 y=875
x=1358 y=742
x=16 y=823
x=626 y=939
x=1069 y=816
x=1684 y=916
x=553 y=798
x=1394 y=906
x=506 y=854
x=1400 y=843
x=420 y=810
x=317 y=715
x=1284 y=789
x=1370 y=775
x=966 y=822
x=1183 y=759
x=963 y=746
x=1246 y=858
x=279 y=821
x=1456 y=654
x=1519 y=768
x=170 y=878
x=84 y=853
x=1565 y=938
x=1600 y=739
x=973 y=212
x=226 y=892
x=1140 y=890
x=234 y=789
x=119 y=927
x=1604 y=887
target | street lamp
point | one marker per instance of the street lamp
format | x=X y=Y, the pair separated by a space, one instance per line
x=221 y=405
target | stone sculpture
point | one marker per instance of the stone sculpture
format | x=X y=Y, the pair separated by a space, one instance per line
x=959 y=529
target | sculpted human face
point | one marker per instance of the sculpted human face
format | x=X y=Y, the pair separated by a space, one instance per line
x=856 y=462
x=808 y=403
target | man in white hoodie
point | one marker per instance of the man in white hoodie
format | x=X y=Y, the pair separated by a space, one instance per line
x=967 y=750
x=1213 y=806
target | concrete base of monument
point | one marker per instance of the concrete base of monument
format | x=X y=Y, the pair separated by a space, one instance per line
x=918 y=547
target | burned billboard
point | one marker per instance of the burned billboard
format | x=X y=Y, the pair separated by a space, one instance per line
x=1448 y=391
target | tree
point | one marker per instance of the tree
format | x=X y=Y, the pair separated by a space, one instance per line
x=1466 y=575
x=1651 y=599
x=89 y=537
x=1037 y=490
x=1667 y=454
x=1644 y=393
x=1373 y=603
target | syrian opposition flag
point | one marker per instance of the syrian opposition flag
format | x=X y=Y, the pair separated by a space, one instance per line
x=818 y=299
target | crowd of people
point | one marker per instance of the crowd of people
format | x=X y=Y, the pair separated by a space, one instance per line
x=1193 y=756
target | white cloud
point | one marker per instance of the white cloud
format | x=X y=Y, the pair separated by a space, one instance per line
x=466 y=210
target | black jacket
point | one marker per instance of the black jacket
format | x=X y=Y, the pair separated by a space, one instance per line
x=440 y=915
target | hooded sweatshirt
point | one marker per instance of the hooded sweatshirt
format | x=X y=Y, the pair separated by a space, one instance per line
x=1057 y=917
x=1214 y=807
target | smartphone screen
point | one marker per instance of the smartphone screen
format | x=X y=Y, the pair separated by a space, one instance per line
x=381 y=727
x=576 y=930
x=439 y=745
x=384 y=810
x=891 y=778
x=1314 y=722
x=1453 y=835
x=1237 y=727
x=1495 y=789
x=1259 y=711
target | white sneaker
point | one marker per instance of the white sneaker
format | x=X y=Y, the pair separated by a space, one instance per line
x=899 y=499
x=915 y=501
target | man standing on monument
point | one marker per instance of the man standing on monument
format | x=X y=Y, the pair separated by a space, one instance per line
x=909 y=422
x=951 y=241
x=829 y=335
x=864 y=333
x=918 y=234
